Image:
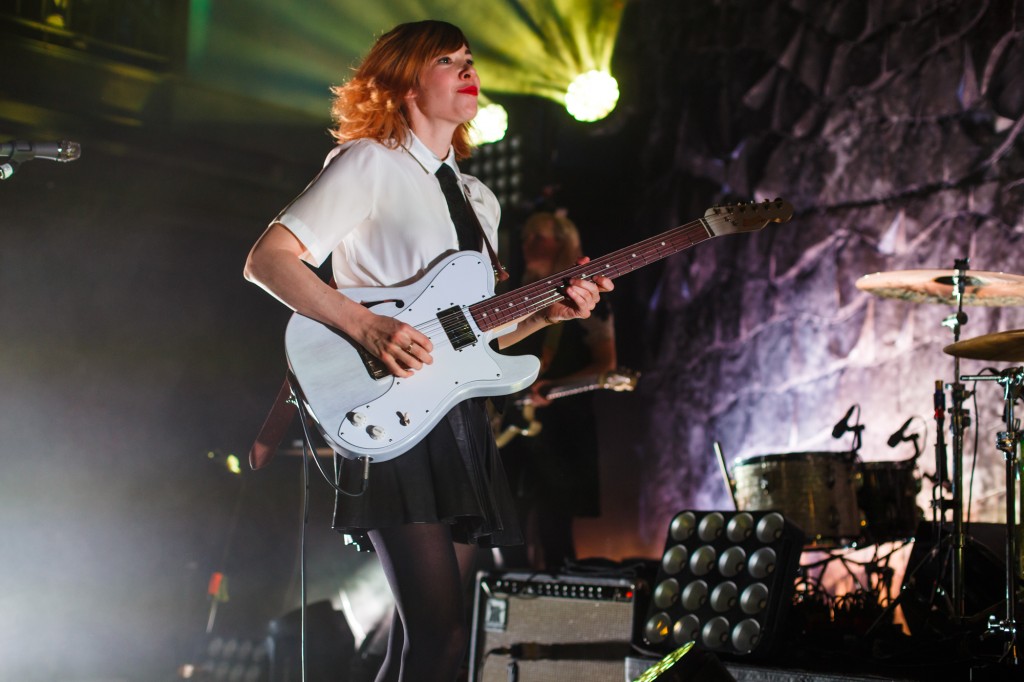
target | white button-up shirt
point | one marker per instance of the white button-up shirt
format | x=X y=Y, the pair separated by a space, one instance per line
x=380 y=213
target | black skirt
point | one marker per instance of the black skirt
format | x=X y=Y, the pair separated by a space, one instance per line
x=453 y=476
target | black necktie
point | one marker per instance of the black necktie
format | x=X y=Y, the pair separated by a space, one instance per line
x=458 y=207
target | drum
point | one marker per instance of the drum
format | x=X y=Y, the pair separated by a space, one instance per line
x=888 y=498
x=815 y=490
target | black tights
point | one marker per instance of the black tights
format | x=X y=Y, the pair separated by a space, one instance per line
x=428 y=575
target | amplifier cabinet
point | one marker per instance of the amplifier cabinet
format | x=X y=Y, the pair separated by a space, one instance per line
x=534 y=627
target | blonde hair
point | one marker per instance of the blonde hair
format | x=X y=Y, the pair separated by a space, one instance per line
x=371 y=104
x=566 y=234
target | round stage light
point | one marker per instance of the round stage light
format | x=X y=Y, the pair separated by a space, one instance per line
x=666 y=593
x=695 y=595
x=715 y=632
x=682 y=526
x=762 y=563
x=703 y=560
x=710 y=527
x=754 y=599
x=746 y=635
x=686 y=629
x=489 y=125
x=740 y=527
x=675 y=558
x=724 y=596
x=592 y=96
x=657 y=627
x=733 y=560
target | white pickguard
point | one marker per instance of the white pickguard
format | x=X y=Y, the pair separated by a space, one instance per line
x=348 y=403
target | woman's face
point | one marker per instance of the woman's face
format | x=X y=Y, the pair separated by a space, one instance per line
x=540 y=247
x=448 y=88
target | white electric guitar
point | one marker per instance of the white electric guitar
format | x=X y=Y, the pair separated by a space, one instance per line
x=361 y=410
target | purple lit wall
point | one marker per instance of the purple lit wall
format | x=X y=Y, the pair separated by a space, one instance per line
x=893 y=128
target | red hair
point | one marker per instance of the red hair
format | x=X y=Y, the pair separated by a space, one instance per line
x=371 y=105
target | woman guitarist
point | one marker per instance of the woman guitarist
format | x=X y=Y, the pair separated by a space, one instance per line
x=379 y=210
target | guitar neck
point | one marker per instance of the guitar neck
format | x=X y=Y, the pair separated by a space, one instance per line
x=582 y=385
x=505 y=308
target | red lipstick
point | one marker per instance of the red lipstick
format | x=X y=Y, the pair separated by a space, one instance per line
x=470 y=90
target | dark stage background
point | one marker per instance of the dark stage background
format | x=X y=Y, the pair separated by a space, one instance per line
x=135 y=358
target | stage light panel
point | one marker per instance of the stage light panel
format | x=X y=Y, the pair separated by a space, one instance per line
x=725 y=581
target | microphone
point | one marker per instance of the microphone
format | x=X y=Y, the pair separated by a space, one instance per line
x=18 y=152
x=900 y=436
x=843 y=425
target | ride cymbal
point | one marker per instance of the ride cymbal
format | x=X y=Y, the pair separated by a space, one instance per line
x=998 y=347
x=938 y=286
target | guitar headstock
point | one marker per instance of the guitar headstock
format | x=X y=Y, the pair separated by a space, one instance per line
x=620 y=379
x=747 y=217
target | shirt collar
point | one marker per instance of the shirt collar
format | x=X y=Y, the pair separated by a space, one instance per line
x=427 y=160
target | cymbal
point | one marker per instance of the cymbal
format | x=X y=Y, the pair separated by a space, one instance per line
x=937 y=286
x=998 y=347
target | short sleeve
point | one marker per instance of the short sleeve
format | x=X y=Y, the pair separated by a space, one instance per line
x=337 y=200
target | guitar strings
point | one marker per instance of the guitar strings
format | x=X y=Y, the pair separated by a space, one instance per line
x=614 y=264
x=612 y=261
x=431 y=328
x=677 y=237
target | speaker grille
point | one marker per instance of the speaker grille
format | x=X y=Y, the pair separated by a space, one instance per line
x=551 y=628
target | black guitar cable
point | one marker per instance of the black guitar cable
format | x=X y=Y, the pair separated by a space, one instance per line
x=308 y=453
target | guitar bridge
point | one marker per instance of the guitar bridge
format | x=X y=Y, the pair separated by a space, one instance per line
x=373 y=365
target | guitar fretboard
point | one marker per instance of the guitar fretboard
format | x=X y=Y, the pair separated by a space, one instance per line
x=505 y=308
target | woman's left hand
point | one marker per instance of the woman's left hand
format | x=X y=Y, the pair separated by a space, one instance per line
x=580 y=297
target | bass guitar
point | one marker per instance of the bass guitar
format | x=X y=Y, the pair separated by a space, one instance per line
x=361 y=410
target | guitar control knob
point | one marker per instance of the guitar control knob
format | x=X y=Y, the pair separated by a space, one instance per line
x=377 y=432
x=357 y=418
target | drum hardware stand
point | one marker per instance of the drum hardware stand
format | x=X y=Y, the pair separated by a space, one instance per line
x=1007 y=442
x=940 y=480
x=730 y=483
x=959 y=422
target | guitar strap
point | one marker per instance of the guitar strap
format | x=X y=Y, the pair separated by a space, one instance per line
x=274 y=428
x=500 y=274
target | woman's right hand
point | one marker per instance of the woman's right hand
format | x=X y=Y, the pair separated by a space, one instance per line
x=275 y=264
x=401 y=347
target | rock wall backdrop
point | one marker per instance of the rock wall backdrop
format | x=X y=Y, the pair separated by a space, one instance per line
x=893 y=127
